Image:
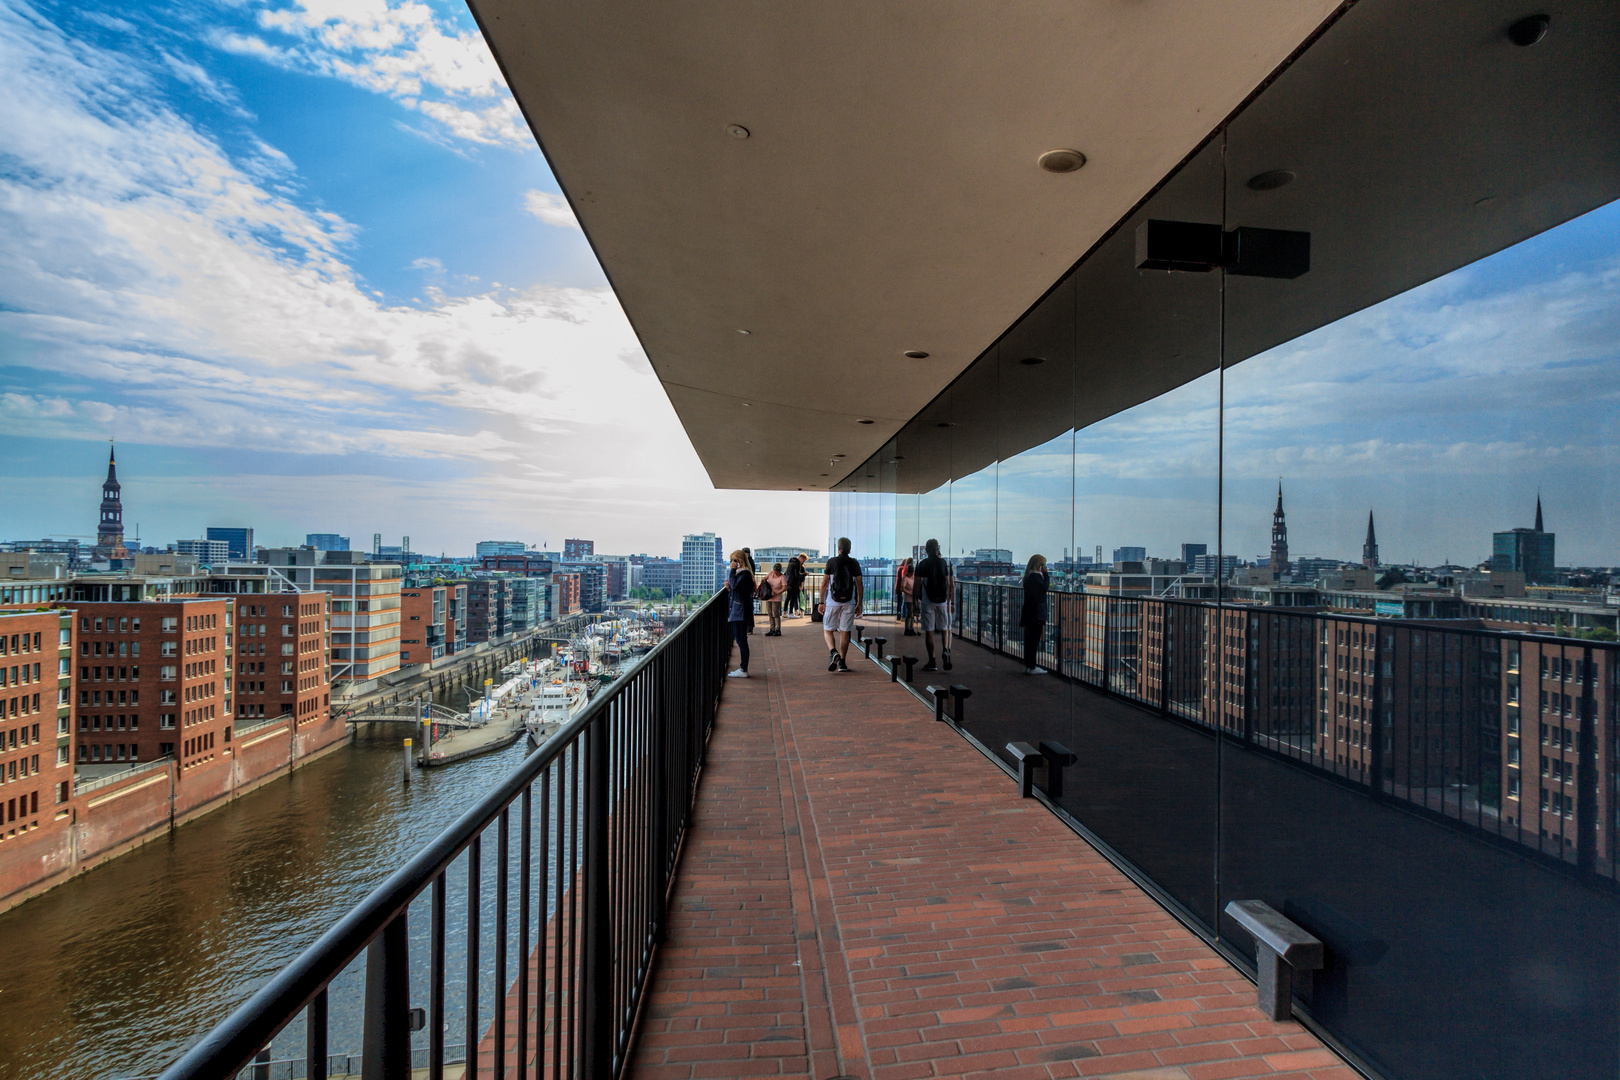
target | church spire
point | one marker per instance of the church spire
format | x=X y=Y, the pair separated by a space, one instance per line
x=1369 y=549
x=1538 y=513
x=1279 y=536
x=112 y=463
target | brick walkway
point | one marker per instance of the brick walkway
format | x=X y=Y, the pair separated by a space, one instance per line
x=863 y=895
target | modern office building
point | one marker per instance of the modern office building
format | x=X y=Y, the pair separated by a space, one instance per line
x=327 y=542
x=500 y=547
x=239 y=540
x=1528 y=551
x=208 y=552
x=701 y=564
x=578 y=549
x=1105 y=271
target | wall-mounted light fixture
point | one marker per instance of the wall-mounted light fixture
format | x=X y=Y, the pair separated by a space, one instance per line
x=1197 y=247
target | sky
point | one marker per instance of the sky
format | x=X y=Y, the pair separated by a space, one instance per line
x=306 y=263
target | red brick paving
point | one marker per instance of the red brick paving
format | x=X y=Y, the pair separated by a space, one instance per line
x=862 y=894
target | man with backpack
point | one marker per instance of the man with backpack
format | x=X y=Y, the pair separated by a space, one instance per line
x=841 y=592
x=935 y=588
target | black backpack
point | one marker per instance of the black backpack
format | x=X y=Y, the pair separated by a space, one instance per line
x=843 y=582
x=764 y=591
x=935 y=582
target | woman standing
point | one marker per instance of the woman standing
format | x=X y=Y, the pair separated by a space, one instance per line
x=906 y=592
x=1033 y=616
x=770 y=593
x=740 y=613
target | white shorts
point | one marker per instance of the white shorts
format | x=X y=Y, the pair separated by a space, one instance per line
x=935 y=616
x=839 y=618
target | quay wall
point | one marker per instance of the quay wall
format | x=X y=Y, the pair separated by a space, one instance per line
x=103 y=822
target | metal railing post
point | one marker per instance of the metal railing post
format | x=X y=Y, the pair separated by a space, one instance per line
x=596 y=983
x=386 y=1053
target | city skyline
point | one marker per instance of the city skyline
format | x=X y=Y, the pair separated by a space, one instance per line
x=273 y=323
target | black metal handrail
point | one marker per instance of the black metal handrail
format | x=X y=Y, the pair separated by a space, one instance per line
x=616 y=786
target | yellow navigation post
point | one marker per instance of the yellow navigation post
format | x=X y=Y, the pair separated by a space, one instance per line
x=408 y=762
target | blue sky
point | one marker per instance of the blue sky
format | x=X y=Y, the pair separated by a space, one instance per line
x=306 y=263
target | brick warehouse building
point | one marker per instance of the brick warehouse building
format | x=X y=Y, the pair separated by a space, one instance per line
x=36 y=733
x=153 y=680
x=283 y=648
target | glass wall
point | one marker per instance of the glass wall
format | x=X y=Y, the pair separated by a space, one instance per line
x=1332 y=545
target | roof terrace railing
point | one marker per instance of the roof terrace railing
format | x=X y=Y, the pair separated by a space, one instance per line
x=1511 y=737
x=601 y=810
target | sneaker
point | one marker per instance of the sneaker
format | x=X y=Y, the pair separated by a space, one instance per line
x=947 y=660
x=1037 y=670
x=832 y=662
x=930 y=666
x=841 y=665
x=738 y=674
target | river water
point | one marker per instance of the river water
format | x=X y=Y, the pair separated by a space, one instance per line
x=115 y=972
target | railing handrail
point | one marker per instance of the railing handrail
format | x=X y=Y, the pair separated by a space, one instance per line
x=231 y=1044
x=92 y=784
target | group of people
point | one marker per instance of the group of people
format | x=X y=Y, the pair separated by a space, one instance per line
x=924 y=592
x=778 y=589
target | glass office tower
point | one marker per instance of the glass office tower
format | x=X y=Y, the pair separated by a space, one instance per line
x=1385 y=293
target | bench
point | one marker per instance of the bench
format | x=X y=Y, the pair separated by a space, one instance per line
x=1058 y=757
x=1027 y=758
x=1281 y=948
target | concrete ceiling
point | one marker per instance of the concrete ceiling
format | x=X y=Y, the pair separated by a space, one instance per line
x=887 y=197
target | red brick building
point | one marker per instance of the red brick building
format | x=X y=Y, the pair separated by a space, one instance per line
x=423 y=623
x=567 y=594
x=36 y=736
x=153 y=679
x=283 y=646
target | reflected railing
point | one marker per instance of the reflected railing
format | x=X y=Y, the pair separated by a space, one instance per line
x=1515 y=736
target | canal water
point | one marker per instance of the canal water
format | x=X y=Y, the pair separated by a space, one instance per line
x=114 y=973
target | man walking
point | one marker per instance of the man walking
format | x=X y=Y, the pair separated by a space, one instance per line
x=841 y=592
x=935 y=588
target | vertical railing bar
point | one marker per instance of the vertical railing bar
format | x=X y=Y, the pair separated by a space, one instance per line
x=558 y=916
x=315 y=1037
x=502 y=846
x=525 y=825
x=436 y=980
x=542 y=916
x=474 y=900
x=574 y=826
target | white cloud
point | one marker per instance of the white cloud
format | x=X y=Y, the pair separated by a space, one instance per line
x=158 y=292
x=551 y=209
x=402 y=50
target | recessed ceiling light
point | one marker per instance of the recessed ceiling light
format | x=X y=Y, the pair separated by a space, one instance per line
x=837 y=456
x=1033 y=361
x=1061 y=161
x=822 y=474
x=737 y=131
x=944 y=423
x=866 y=421
x=916 y=354
x=1270 y=180
x=1529 y=30
x=896 y=460
x=743 y=332
x=1486 y=201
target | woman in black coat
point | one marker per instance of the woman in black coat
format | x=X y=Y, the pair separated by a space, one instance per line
x=1033 y=616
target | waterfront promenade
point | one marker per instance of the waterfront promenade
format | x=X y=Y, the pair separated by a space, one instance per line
x=862 y=894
